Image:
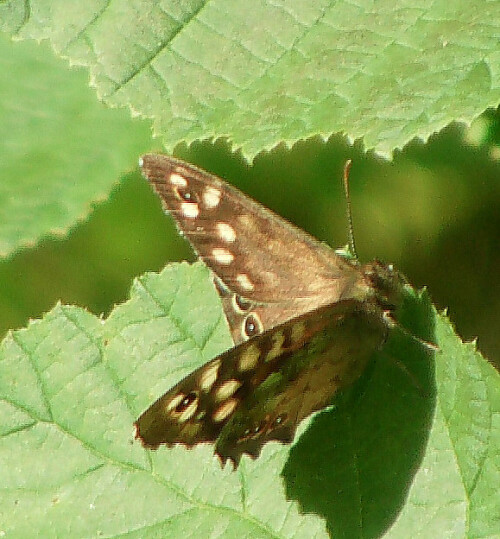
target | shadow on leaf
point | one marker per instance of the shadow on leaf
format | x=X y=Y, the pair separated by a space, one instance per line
x=355 y=463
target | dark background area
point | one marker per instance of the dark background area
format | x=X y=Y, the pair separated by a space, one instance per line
x=433 y=211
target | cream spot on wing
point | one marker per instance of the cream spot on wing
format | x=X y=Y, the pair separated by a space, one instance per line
x=226 y=232
x=298 y=332
x=178 y=180
x=211 y=197
x=227 y=389
x=188 y=412
x=225 y=410
x=277 y=347
x=222 y=256
x=174 y=402
x=190 y=210
x=209 y=375
x=249 y=358
x=244 y=281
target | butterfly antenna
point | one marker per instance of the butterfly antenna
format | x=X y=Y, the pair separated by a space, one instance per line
x=352 y=245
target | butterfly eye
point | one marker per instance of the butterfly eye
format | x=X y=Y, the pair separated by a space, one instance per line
x=186 y=195
x=252 y=325
x=185 y=402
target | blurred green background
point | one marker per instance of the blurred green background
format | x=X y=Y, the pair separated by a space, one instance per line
x=433 y=211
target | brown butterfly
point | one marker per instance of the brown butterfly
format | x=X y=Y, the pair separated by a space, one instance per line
x=305 y=320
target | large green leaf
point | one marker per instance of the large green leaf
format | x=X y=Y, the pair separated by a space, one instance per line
x=411 y=449
x=261 y=73
x=403 y=454
x=60 y=150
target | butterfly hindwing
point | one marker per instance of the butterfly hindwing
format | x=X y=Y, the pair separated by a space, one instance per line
x=248 y=248
x=305 y=381
x=261 y=389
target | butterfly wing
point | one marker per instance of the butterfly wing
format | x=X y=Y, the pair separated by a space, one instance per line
x=261 y=389
x=266 y=270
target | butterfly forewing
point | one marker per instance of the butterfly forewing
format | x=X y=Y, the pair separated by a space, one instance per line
x=263 y=265
x=261 y=389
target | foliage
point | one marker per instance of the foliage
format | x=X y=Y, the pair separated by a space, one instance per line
x=398 y=455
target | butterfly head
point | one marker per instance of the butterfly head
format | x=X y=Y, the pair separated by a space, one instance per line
x=387 y=282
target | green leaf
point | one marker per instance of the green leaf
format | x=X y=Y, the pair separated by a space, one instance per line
x=411 y=449
x=71 y=387
x=461 y=465
x=402 y=453
x=61 y=151
x=263 y=73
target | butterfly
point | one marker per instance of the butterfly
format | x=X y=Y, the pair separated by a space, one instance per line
x=304 y=319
